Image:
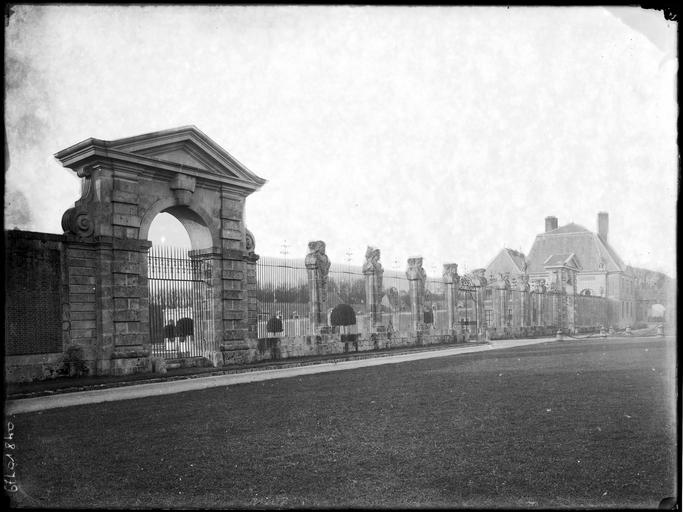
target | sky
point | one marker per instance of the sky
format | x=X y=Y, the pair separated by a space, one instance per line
x=442 y=132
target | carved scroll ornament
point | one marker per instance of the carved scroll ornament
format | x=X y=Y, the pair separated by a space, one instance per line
x=250 y=242
x=76 y=221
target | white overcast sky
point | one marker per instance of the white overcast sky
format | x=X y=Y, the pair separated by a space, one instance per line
x=445 y=132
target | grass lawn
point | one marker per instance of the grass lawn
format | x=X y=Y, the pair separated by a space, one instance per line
x=567 y=424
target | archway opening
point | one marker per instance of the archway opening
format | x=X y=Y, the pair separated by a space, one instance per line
x=181 y=296
x=166 y=230
x=179 y=226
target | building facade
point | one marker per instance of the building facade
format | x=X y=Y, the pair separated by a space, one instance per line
x=602 y=273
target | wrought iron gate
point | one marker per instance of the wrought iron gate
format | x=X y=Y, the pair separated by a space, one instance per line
x=181 y=315
x=469 y=317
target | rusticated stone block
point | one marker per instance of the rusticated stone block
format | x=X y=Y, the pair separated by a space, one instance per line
x=126 y=303
x=126 y=279
x=232 y=234
x=232 y=224
x=82 y=271
x=81 y=288
x=81 y=280
x=80 y=262
x=232 y=274
x=82 y=315
x=233 y=294
x=124 y=185
x=233 y=315
x=127 y=339
x=121 y=196
x=125 y=209
x=127 y=315
x=235 y=334
x=229 y=244
x=231 y=209
x=82 y=324
x=230 y=284
x=143 y=314
x=81 y=253
x=81 y=333
x=126 y=220
x=81 y=297
x=125 y=267
x=234 y=305
x=125 y=291
x=83 y=306
x=135 y=246
x=120 y=327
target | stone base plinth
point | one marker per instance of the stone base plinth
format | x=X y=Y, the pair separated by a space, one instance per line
x=130 y=362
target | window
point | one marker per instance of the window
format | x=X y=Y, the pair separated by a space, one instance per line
x=489 y=313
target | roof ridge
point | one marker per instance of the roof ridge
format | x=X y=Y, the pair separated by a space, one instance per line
x=611 y=253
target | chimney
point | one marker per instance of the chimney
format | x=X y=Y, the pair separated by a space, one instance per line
x=550 y=223
x=603 y=225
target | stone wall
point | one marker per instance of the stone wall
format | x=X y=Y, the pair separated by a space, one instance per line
x=271 y=349
x=37 y=321
x=35 y=281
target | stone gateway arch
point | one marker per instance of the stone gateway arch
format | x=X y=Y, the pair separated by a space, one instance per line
x=126 y=183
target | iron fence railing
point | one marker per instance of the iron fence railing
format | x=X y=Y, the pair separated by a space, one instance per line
x=282 y=291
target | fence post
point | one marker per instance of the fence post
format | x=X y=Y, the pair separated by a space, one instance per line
x=524 y=310
x=318 y=267
x=500 y=300
x=373 y=272
x=452 y=281
x=416 y=282
x=480 y=283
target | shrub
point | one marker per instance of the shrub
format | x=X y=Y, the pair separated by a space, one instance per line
x=343 y=315
x=170 y=331
x=274 y=325
x=185 y=327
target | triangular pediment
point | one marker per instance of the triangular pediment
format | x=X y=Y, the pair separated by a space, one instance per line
x=186 y=146
x=185 y=153
x=562 y=260
x=184 y=149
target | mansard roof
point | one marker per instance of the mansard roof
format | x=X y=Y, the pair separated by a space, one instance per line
x=594 y=253
x=185 y=149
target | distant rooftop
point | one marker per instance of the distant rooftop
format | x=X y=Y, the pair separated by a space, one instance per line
x=593 y=253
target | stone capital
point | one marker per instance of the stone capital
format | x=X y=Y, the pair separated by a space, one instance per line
x=450 y=273
x=316 y=257
x=372 y=264
x=415 y=271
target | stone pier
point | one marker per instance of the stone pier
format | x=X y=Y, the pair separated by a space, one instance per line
x=317 y=267
x=416 y=288
x=373 y=272
x=452 y=281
